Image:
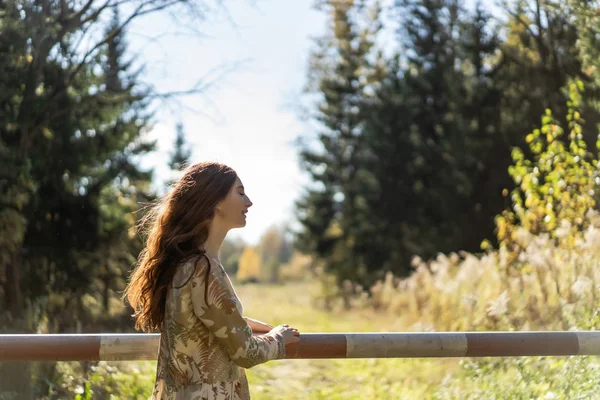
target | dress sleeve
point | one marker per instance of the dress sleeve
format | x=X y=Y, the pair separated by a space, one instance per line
x=217 y=309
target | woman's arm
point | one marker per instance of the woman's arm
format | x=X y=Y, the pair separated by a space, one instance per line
x=219 y=313
x=258 y=327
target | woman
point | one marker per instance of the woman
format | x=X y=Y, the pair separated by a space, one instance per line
x=181 y=289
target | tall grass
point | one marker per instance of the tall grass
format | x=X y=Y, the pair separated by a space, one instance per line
x=548 y=287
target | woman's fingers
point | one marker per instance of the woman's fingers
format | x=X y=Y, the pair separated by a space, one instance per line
x=295 y=330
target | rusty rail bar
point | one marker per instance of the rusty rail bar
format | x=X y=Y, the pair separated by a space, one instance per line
x=137 y=346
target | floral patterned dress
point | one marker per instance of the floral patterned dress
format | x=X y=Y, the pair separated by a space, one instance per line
x=206 y=344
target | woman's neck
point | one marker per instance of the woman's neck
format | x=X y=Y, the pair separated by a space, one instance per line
x=216 y=236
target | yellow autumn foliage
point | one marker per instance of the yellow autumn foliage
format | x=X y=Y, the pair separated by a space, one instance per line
x=249 y=265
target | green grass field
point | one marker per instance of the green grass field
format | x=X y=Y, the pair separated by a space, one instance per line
x=332 y=379
x=493 y=378
x=509 y=378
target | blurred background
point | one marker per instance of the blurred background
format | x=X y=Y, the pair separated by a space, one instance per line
x=414 y=166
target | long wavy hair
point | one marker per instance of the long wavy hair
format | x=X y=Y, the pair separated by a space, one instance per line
x=176 y=227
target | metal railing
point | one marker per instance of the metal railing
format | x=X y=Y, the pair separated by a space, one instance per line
x=121 y=347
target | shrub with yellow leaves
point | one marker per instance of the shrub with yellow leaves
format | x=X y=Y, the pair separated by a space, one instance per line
x=557 y=188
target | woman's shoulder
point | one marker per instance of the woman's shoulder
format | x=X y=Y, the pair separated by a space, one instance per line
x=194 y=267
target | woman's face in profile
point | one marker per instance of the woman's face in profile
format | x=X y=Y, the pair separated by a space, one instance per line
x=235 y=206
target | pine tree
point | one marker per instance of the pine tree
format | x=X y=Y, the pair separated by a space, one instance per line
x=480 y=111
x=16 y=188
x=340 y=72
x=181 y=154
x=434 y=91
x=396 y=232
x=80 y=178
x=587 y=22
x=426 y=132
x=540 y=54
x=125 y=186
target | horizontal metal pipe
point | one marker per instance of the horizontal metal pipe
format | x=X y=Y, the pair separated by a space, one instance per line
x=137 y=346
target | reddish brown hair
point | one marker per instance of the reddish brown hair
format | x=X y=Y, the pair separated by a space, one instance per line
x=176 y=227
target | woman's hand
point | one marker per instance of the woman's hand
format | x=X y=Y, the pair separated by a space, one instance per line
x=289 y=334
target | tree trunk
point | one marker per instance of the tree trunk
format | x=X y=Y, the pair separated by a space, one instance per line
x=15 y=376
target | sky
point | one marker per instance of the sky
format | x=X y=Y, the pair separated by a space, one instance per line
x=252 y=58
x=255 y=57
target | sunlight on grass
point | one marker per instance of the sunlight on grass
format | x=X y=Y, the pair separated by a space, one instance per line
x=436 y=379
x=332 y=379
